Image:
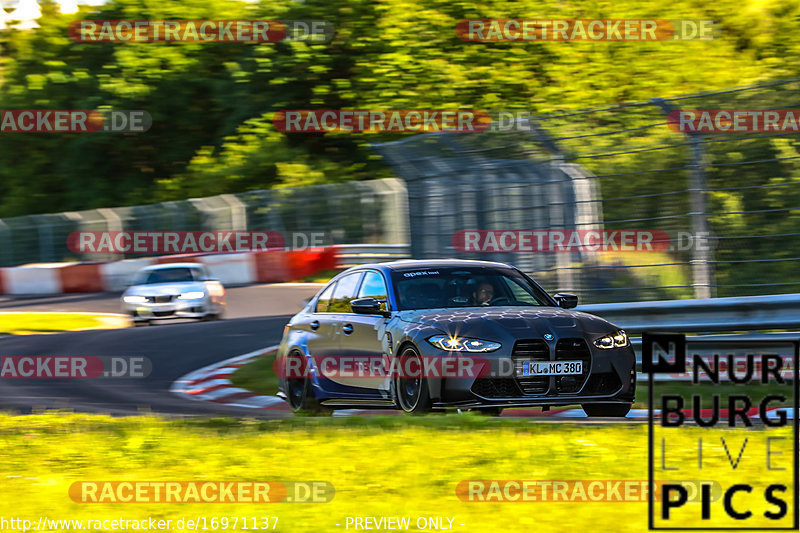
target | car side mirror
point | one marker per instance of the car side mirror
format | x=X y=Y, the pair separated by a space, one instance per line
x=566 y=300
x=368 y=306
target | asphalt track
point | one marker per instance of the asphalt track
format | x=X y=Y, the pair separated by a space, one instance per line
x=173 y=351
x=248 y=301
x=256 y=316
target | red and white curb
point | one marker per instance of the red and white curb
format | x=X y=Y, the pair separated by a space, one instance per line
x=211 y=384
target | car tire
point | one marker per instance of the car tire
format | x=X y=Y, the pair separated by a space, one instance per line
x=411 y=394
x=614 y=410
x=300 y=395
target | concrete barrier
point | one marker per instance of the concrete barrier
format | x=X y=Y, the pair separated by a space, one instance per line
x=229 y=268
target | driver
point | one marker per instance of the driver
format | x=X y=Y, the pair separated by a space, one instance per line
x=484 y=293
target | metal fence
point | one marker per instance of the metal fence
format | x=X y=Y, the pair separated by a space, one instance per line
x=454 y=187
x=729 y=203
x=353 y=212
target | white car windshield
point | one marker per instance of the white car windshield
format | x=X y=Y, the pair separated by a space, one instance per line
x=168 y=275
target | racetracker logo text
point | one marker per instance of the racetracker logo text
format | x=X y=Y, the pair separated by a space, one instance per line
x=381 y=367
x=202 y=31
x=373 y=121
x=73 y=367
x=74 y=121
x=560 y=241
x=173 y=242
x=493 y=30
x=576 y=490
x=201 y=492
x=734 y=121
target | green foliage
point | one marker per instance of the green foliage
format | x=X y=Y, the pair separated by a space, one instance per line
x=212 y=104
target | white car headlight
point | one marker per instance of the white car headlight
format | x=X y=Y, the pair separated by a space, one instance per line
x=134 y=299
x=462 y=344
x=617 y=340
x=193 y=295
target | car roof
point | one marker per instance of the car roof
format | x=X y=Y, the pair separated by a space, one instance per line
x=430 y=263
x=172 y=265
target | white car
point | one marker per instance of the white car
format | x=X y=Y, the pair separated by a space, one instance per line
x=173 y=290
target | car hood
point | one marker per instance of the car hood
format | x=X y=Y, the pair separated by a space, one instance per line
x=496 y=322
x=164 y=289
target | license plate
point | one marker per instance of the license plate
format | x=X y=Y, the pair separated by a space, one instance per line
x=551 y=368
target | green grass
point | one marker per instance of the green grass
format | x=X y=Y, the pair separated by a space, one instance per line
x=257 y=376
x=395 y=466
x=29 y=323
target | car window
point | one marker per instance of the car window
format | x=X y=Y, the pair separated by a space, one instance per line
x=344 y=293
x=374 y=286
x=324 y=299
x=519 y=292
x=171 y=275
x=451 y=287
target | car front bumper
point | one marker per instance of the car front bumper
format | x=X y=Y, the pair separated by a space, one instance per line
x=608 y=376
x=169 y=310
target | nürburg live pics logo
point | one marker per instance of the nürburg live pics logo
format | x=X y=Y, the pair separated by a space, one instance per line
x=722 y=410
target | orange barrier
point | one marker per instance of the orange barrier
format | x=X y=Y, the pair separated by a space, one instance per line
x=271 y=266
x=81 y=277
x=304 y=263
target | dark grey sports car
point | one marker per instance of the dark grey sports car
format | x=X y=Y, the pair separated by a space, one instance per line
x=425 y=335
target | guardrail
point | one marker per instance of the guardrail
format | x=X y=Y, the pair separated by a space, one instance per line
x=360 y=254
x=745 y=313
x=708 y=345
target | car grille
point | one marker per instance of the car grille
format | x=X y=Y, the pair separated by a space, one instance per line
x=573 y=350
x=160 y=299
x=495 y=388
x=530 y=350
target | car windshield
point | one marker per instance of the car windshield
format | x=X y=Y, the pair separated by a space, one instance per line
x=168 y=275
x=453 y=287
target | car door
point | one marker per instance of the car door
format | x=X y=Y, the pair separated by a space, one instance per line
x=320 y=327
x=363 y=341
x=330 y=363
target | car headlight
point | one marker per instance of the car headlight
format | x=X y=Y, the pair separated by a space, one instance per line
x=134 y=299
x=193 y=295
x=462 y=344
x=617 y=340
